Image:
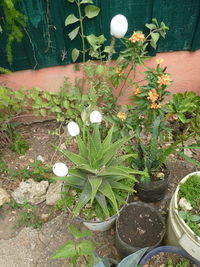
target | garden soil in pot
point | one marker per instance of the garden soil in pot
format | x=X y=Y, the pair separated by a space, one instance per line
x=139 y=225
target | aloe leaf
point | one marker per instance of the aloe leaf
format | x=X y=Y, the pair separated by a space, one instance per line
x=116 y=171
x=97 y=136
x=87 y=169
x=83 y=199
x=75 y=181
x=95 y=183
x=120 y=159
x=82 y=147
x=188 y=158
x=103 y=203
x=92 y=149
x=133 y=259
x=78 y=160
x=118 y=185
x=107 y=191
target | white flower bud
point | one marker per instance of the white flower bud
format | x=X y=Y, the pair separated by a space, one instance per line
x=73 y=128
x=95 y=117
x=118 y=26
x=60 y=169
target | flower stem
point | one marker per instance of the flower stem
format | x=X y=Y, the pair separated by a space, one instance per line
x=82 y=31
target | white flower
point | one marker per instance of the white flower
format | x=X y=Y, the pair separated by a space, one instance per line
x=95 y=117
x=118 y=26
x=73 y=128
x=60 y=169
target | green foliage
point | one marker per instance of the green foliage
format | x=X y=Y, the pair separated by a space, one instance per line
x=192 y=220
x=86 y=10
x=28 y=218
x=36 y=170
x=12 y=103
x=184 y=108
x=77 y=249
x=98 y=171
x=184 y=263
x=14 y=23
x=191 y=190
x=151 y=156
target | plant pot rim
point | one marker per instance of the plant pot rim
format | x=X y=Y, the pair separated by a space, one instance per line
x=140 y=203
x=176 y=208
x=172 y=249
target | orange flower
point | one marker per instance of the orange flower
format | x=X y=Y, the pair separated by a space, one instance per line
x=155 y=106
x=152 y=95
x=119 y=71
x=121 y=115
x=164 y=79
x=159 y=60
x=137 y=91
x=137 y=37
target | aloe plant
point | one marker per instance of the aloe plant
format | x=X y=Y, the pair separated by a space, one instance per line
x=151 y=156
x=98 y=172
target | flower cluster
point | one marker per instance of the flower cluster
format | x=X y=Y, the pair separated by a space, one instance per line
x=153 y=97
x=119 y=72
x=137 y=37
x=121 y=115
x=164 y=79
x=137 y=91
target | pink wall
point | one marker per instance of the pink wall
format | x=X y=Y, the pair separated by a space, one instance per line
x=184 y=67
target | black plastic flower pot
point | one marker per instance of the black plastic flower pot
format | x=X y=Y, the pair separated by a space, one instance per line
x=152 y=191
x=139 y=225
x=149 y=258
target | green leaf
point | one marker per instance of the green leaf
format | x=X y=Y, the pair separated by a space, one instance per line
x=118 y=185
x=78 y=234
x=83 y=199
x=95 y=40
x=73 y=33
x=86 y=248
x=43 y=112
x=91 y=11
x=78 y=160
x=195 y=218
x=155 y=36
x=188 y=158
x=103 y=203
x=182 y=214
x=71 y=19
x=150 y=26
x=82 y=147
x=95 y=183
x=67 y=251
x=75 y=54
x=96 y=136
x=71 y=1
x=107 y=191
x=86 y=2
x=133 y=259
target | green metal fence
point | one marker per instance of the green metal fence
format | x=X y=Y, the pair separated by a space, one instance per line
x=46 y=43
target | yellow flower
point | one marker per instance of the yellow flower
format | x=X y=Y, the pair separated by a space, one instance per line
x=137 y=91
x=155 y=106
x=121 y=115
x=159 y=60
x=152 y=95
x=119 y=72
x=137 y=37
x=164 y=79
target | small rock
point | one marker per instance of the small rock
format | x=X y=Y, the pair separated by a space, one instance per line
x=44 y=217
x=40 y=158
x=184 y=204
x=4 y=197
x=54 y=193
x=31 y=192
x=188 y=152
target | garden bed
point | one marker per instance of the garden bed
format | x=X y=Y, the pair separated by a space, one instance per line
x=40 y=140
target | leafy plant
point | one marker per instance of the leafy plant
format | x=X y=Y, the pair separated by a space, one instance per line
x=184 y=263
x=192 y=220
x=152 y=156
x=99 y=171
x=183 y=109
x=78 y=249
x=12 y=104
x=86 y=10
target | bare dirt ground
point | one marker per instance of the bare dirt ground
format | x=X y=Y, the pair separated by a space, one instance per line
x=26 y=247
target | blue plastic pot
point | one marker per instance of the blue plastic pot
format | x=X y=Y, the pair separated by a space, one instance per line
x=171 y=249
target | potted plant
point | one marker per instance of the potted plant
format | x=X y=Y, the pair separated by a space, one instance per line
x=138 y=225
x=168 y=256
x=183 y=220
x=152 y=157
x=99 y=179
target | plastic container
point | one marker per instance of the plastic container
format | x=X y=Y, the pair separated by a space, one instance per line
x=170 y=249
x=124 y=249
x=178 y=232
